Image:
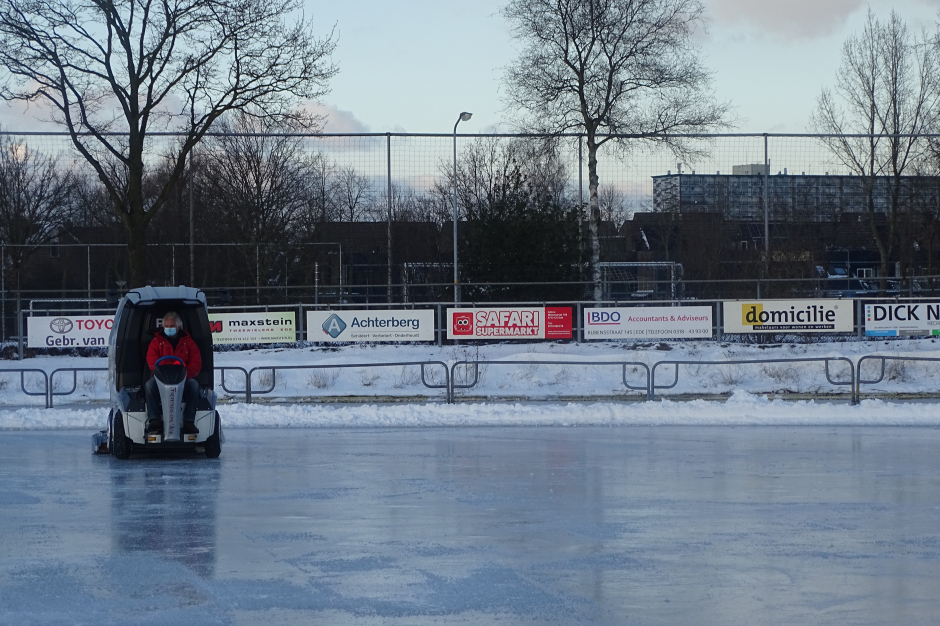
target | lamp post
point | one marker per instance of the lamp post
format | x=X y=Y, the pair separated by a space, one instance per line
x=463 y=118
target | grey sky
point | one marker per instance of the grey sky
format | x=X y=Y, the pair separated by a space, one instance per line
x=414 y=66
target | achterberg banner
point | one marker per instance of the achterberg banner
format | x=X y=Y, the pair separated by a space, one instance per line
x=371 y=325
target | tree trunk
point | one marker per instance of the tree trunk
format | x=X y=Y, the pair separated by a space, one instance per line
x=594 y=217
x=137 y=255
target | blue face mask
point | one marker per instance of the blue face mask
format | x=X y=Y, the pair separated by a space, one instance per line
x=169 y=331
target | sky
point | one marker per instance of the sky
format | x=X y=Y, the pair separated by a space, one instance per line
x=414 y=66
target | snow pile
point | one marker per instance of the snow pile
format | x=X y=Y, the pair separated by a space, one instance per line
x=598 y=387
x=742 y=409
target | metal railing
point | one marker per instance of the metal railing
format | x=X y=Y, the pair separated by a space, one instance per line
x=650 y=386
x=246 y=390
x=825 y=360
x=249 y=392
x=75 y=371
x=28 y=370
x=883 y=358
x=476 y=372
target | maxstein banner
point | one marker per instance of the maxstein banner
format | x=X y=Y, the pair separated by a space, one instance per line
x=261 y=327
x=374 y=325
x=648 y=322
x=788 y=316
x=75 y=331
x=510 y=323
x=902 y=320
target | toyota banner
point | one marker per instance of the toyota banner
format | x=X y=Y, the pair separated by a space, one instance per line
x=68 y=331
x=92 y=331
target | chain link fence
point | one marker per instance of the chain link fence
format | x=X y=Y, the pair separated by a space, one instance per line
x=698 y=217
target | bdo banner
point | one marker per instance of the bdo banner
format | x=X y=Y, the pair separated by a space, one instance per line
x=267 y=327
x=902 y=320
x=366 y=325
x=510 y=323
x=648 y=322
x=788 y=316
x=68 y=331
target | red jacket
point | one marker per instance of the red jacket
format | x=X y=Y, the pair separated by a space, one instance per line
x=186 y=349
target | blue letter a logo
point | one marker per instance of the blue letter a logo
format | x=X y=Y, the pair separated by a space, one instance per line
x=334 y=326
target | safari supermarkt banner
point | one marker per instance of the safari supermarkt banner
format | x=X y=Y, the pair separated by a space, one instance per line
x=509 y=323
x=788 y=316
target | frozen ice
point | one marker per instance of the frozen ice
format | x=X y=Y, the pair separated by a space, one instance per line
x=484 y=525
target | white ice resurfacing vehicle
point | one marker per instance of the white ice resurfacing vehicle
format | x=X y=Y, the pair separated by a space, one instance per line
x=139 y=316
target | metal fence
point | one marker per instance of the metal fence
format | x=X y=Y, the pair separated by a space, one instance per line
x=366 y=188
x=465 y=374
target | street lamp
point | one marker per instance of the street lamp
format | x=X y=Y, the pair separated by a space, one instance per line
x=463 y=118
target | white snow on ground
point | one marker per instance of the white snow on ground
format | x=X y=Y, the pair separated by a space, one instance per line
x=525 y=382
x=742 y=409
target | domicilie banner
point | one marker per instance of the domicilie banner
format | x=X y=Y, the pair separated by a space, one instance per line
x=788 y=316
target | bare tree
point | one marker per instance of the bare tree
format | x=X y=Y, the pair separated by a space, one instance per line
x=613 y=70
x=115 y=71
x=352 y=196
x=886 y=96
x=255 y=184
x=35 y=195
x=488 y=162
x=612 y=205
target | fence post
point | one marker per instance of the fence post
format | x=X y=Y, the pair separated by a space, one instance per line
x=440 y=326
x=388 y=139
x=300 y=321
x=88 y=259
x=19 y=324
x=580 y=324
x=860 y=318
x=719 y=320
x=3 y=294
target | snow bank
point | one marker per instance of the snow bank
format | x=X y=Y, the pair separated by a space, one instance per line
x=742 y=409
x=548 y=384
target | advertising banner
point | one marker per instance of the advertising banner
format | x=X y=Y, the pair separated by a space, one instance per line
x=902 y=320
x=788 y=316
x=68 y=331
x=365 y=325
x=262 y=327
x=648 y=322
x=509 y=323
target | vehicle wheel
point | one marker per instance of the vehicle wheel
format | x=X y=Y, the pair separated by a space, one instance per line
x=214 y=441
x=120 y=444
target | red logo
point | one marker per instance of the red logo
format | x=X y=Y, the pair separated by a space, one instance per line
x=215 y=327
x=463 y=323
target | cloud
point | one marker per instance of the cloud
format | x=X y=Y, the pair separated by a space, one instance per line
x=337 y=120
x=796 y=19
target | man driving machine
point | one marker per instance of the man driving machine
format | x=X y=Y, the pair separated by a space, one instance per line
x=172 y=340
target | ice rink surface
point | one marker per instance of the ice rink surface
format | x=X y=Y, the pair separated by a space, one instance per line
x=487 y=525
